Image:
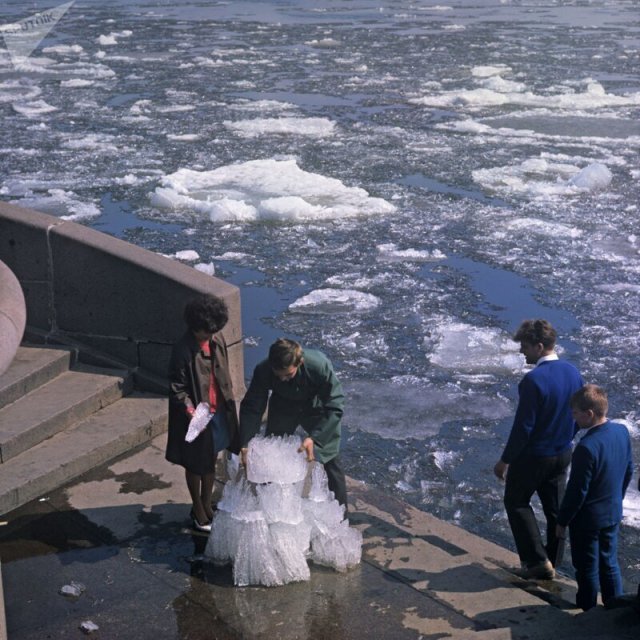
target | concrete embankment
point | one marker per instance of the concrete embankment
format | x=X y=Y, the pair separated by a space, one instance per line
x=122 y=532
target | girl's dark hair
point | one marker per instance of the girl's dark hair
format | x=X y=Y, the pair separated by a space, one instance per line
x=206 y=313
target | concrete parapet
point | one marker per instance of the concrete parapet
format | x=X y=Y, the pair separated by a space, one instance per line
x=12 y=316
x=100 y=291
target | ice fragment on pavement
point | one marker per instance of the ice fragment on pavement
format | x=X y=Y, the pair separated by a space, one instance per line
x=73 y=589
x=88 y=626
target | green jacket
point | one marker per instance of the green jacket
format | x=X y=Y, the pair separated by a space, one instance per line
x=313 y=399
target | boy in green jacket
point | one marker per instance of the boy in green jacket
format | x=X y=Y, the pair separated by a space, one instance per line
x=304 y=391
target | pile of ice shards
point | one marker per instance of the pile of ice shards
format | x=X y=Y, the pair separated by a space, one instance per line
x=278 y=515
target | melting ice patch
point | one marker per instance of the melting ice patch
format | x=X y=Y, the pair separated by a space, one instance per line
x=19 y=91
x=312 y=127
x=541 y=178
x=543 y=228
x=390 y=251
x=33 y=109
x=61 y=203
x=487 y=71
x=463 y=347
x=410 y=407
x=335 y=301
x=594 y=97
x=264 y=189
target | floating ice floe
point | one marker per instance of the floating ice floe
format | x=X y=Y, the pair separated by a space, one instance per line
x=205 y=267
x=268 y=524
x=188 y=255
x=410 y=407
x=487 y=71
x=19 y=91
x=112 y=38
x=64 y=49
x=594 y=97
x=76 y=83
x=390 y=251
x=264 y=189
x=466 y=348
x=312 y=127
x=61 y=203
x=541 y=178
x=33 y=109
x=335 y=301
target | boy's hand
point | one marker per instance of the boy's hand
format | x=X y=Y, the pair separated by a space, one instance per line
x=500 y=470
x=243 y=456
x=307 y=446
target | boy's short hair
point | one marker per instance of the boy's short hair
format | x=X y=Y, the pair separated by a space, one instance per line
x=591 y=397
x=206 y=313
x=284 y=353
x=536 y=331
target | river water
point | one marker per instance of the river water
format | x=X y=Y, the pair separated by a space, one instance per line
x=397 y=183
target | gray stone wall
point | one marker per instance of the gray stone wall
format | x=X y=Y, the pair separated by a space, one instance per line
x=116 y=298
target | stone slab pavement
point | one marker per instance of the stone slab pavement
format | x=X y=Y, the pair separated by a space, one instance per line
x=123 y=532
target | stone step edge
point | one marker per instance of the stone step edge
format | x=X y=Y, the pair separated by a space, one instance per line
x=35 y=375
x=104 y=435
x=116 y=384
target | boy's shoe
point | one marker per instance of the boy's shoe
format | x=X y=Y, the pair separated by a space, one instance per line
x=541 y=571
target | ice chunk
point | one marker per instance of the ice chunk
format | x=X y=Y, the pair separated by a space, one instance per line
x=222 y=544
x=280 y=502
x=464 y=347
x=592 y=177
x=291 y=544
x=88 y=627
x=323 y=517
x=256 y=561
x=267 y=530
x=265 y=460
x=198 y=422
x=319 y=489
x=73 y=589
x=335 y=301
x=341 y=549
x=312 y=127
x=264 y=189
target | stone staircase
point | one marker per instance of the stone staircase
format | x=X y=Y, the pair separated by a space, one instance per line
x=60 y=417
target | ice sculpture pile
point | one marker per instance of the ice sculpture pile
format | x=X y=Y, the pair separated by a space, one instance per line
x=280 y=514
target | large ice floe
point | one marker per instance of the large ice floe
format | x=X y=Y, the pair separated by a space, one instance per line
x=278 y=515
x=542 y=178
x=335 y=301
x=312 y=127
x=264 y=189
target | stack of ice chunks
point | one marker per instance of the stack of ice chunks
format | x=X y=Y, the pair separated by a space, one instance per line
x=268 y=530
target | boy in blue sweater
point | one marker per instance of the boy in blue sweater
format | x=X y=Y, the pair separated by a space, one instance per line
x=601 y=469
x=538 y=451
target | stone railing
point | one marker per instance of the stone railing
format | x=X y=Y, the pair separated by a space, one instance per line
x=85 y=287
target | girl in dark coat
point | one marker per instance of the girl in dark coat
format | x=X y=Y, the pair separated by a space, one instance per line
x=199 y=372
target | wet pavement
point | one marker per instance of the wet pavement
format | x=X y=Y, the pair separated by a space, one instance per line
x=122 y=531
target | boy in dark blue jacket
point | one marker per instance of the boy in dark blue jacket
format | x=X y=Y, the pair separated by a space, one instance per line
x=601 y=469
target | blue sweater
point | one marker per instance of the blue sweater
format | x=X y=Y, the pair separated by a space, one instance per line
x=543 y=425
x=601 y=470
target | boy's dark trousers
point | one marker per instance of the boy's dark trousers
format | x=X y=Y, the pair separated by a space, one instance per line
x=546 y=477
x=595 y=558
